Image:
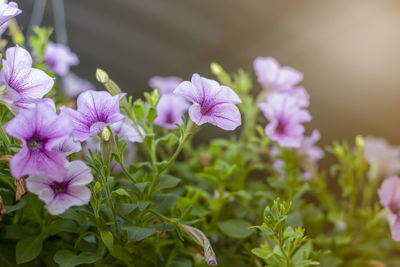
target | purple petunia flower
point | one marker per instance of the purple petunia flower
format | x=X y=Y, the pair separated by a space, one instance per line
x=383 y=158
x=212 y=103
x=170 y=109
x=7 y=12
x=59 y=57
x=165 y=85
x=22 y=84
x=60 y=194
x=41 y=130
x=96 y=110
x=126 y=130
x=274 y=77
x=68 y=146
x=285 y=116
x=73 y=85
x=389 y=195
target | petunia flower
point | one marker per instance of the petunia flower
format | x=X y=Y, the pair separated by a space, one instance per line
x=126 y=130
x=383 y=158
x=389 y=195
x=74 y=85
x=96 y=110
x=40 y=130
x=7 y=12
x=274 y=77
x=61 y=193
x=165 y=85
x=60 y=58
x=299 y=93
x=170 y=109
x=285 y=117
x=212 y=103
x=22 y=84
x=68 y=146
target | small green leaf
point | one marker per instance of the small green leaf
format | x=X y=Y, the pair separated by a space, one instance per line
x=28 y=249
x=143 y=204
x=19 y=205
x=261 y=253
x=167 y=181
x=170 y=139
x=120 y=192
x=108 y=239
x=138 y=233
x=236 y=228
x=66 y=258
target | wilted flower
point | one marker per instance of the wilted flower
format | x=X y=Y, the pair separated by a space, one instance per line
x=96 y=110
x=285 y=116
x=165 y=85
x=200 y=238
x=73 y=85
x=212 y=102
x=59 y=58
x=20 y=187
x=170 y=109
x=274 y=77
x=60 y=193
x=389 y=195
x=7 y=12
x=40 y=129
x=23 y=85
x=383 y=158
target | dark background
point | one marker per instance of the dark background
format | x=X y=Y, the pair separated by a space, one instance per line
x=348 y=50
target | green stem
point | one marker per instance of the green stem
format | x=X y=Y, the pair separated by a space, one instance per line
x=111 y=204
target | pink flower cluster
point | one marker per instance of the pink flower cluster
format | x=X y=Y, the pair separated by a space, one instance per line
x=285 y=109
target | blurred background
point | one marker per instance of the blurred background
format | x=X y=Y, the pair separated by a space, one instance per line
x=349 y=51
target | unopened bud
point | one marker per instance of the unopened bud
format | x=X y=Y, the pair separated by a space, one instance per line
x=102 y=76
x=360 y=141
x=97 y=188
x=105 y=134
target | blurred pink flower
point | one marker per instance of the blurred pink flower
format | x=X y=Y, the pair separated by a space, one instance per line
x=274 y=77
x=170 y=109
x=73 y=85
x=59 y=58
x=7 y=12
x=165 y=85
x=383 y=158
x=285 y=117
x=389 y=195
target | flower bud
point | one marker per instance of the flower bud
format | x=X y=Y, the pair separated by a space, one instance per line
x=106 y=134
x=102 y=76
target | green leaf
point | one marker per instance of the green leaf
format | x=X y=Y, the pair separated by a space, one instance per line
x=163 y=202
x=167 y=181
x=138 y=233
x=236 y=228
x=108 y=239
x=66 y=258
x=261 y=253
x=170 y=139
x=19 y=205
x=120 y=192
x=143 y=204
x=60 y=226
x=28 y=249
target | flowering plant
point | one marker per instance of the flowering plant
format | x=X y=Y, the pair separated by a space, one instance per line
x=110 y=180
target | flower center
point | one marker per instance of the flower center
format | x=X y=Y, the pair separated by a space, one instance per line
x=280 y=129
x=35 y=144
x=59 y=188
x=169 y=118
x=394 y=207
